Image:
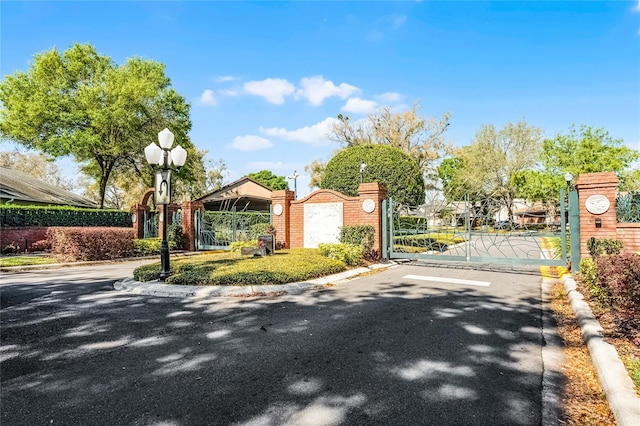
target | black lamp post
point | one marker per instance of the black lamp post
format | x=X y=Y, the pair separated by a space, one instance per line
x=163 y=156
x=295 y=177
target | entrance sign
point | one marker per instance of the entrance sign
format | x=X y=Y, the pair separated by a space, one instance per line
x=322 y=223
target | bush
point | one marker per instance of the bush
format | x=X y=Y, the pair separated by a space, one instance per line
x=174 y=236
x=231 y=269
x=399 y=172
x=40 y=245
x=84 y=244
x=236 y=246
x=599 y=247
x=361 y=235
x=589 y=275
x=29 y=216
x=149 y=246
x=349 y=254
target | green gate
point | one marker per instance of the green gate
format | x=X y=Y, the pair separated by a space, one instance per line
x=216 y=230
x=485 y=231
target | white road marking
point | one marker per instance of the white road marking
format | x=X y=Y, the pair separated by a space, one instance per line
x=448 y=280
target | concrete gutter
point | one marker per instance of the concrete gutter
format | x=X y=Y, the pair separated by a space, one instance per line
x=157 y=288
x=613 y=377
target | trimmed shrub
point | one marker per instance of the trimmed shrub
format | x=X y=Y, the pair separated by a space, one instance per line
x=599 y=247
x=361 y=235
x=84 y=244
x=349 y=254
x=29 y=216
x=399 y=172
x=589 y=275
x=174 y=236
x=149 y=246
x=40 y=245
x=231 y=269
x=236 y=246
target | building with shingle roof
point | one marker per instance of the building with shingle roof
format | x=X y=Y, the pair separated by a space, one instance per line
x=19 y=188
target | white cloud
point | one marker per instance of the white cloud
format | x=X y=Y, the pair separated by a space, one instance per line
x=398 y=21
x=316 y=89
x=228 y=92
x=390 y=97
x=272 y=89
x=250 y=143
x=313 y=135
x=359 y=106
x=207 y=98
x=224 y=78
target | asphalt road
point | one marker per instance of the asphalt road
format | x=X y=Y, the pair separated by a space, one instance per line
x=391 y=348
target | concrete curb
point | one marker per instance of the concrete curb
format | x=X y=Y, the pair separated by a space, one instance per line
x=613 y=377
x=156 y=288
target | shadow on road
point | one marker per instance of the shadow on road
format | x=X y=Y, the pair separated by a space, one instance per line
x=403 y=354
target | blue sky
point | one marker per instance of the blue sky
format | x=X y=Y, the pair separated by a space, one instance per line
x=265 y=79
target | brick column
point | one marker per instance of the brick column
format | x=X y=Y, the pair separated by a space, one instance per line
x=376 y=192
x=282 y=221
x=137 y=212
x=189 y=232
x=599 y=225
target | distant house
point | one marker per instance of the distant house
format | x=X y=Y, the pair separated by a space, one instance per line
x=245 y=194
x=21 y=189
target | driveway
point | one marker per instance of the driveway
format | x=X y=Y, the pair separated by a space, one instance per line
x=411 y=345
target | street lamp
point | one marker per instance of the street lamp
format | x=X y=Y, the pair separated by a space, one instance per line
x=568 y=177
x=163 y=156
x=295 y=177
x=363 y=166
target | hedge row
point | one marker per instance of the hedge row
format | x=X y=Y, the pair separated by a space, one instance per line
x=613 y=279
x=28 y=216
x=71 y=244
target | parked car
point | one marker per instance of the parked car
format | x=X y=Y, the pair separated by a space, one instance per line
x=504 y=224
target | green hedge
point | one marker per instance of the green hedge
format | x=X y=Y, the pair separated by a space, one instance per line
x=360 y=235
x=29 y=216
x=233 y=269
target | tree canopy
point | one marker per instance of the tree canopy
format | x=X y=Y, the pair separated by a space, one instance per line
x=485 y=168
x=270 y=180
x=80 y=103
x=385 y=164
x=421 y=138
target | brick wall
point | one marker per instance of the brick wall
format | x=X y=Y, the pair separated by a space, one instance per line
x=604 y=225
x=290 y=223
x=22 y=237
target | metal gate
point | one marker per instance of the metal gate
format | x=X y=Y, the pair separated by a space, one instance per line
x=150 y=229
x=486 y=231
x=216 y=230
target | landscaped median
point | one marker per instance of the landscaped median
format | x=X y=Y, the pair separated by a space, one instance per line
x=233 y=269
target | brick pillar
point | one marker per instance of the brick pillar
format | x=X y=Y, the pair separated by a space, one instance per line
x=282 y=221
x=594 y=190
x=137 y=217
x=376 y=192
x=189 y=231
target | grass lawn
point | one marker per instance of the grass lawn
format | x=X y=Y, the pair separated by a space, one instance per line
x=285 y=266
x=6 y=261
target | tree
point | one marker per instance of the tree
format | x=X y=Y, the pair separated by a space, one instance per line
x=270 y=180
x=486 y=167
x=80 y=103
x=586 y=150
x=36 y=165
x=423 y=139
x=385 y=164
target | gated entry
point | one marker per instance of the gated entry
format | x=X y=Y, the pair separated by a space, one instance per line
x=216 y=230
x=484 y=231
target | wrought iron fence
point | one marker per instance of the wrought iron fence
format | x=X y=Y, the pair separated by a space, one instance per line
x=628 y=207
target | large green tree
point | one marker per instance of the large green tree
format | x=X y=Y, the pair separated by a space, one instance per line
x=270 y=180
x=81 y=103
x=385 y=164
x=583 y=150
x=485 y=168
